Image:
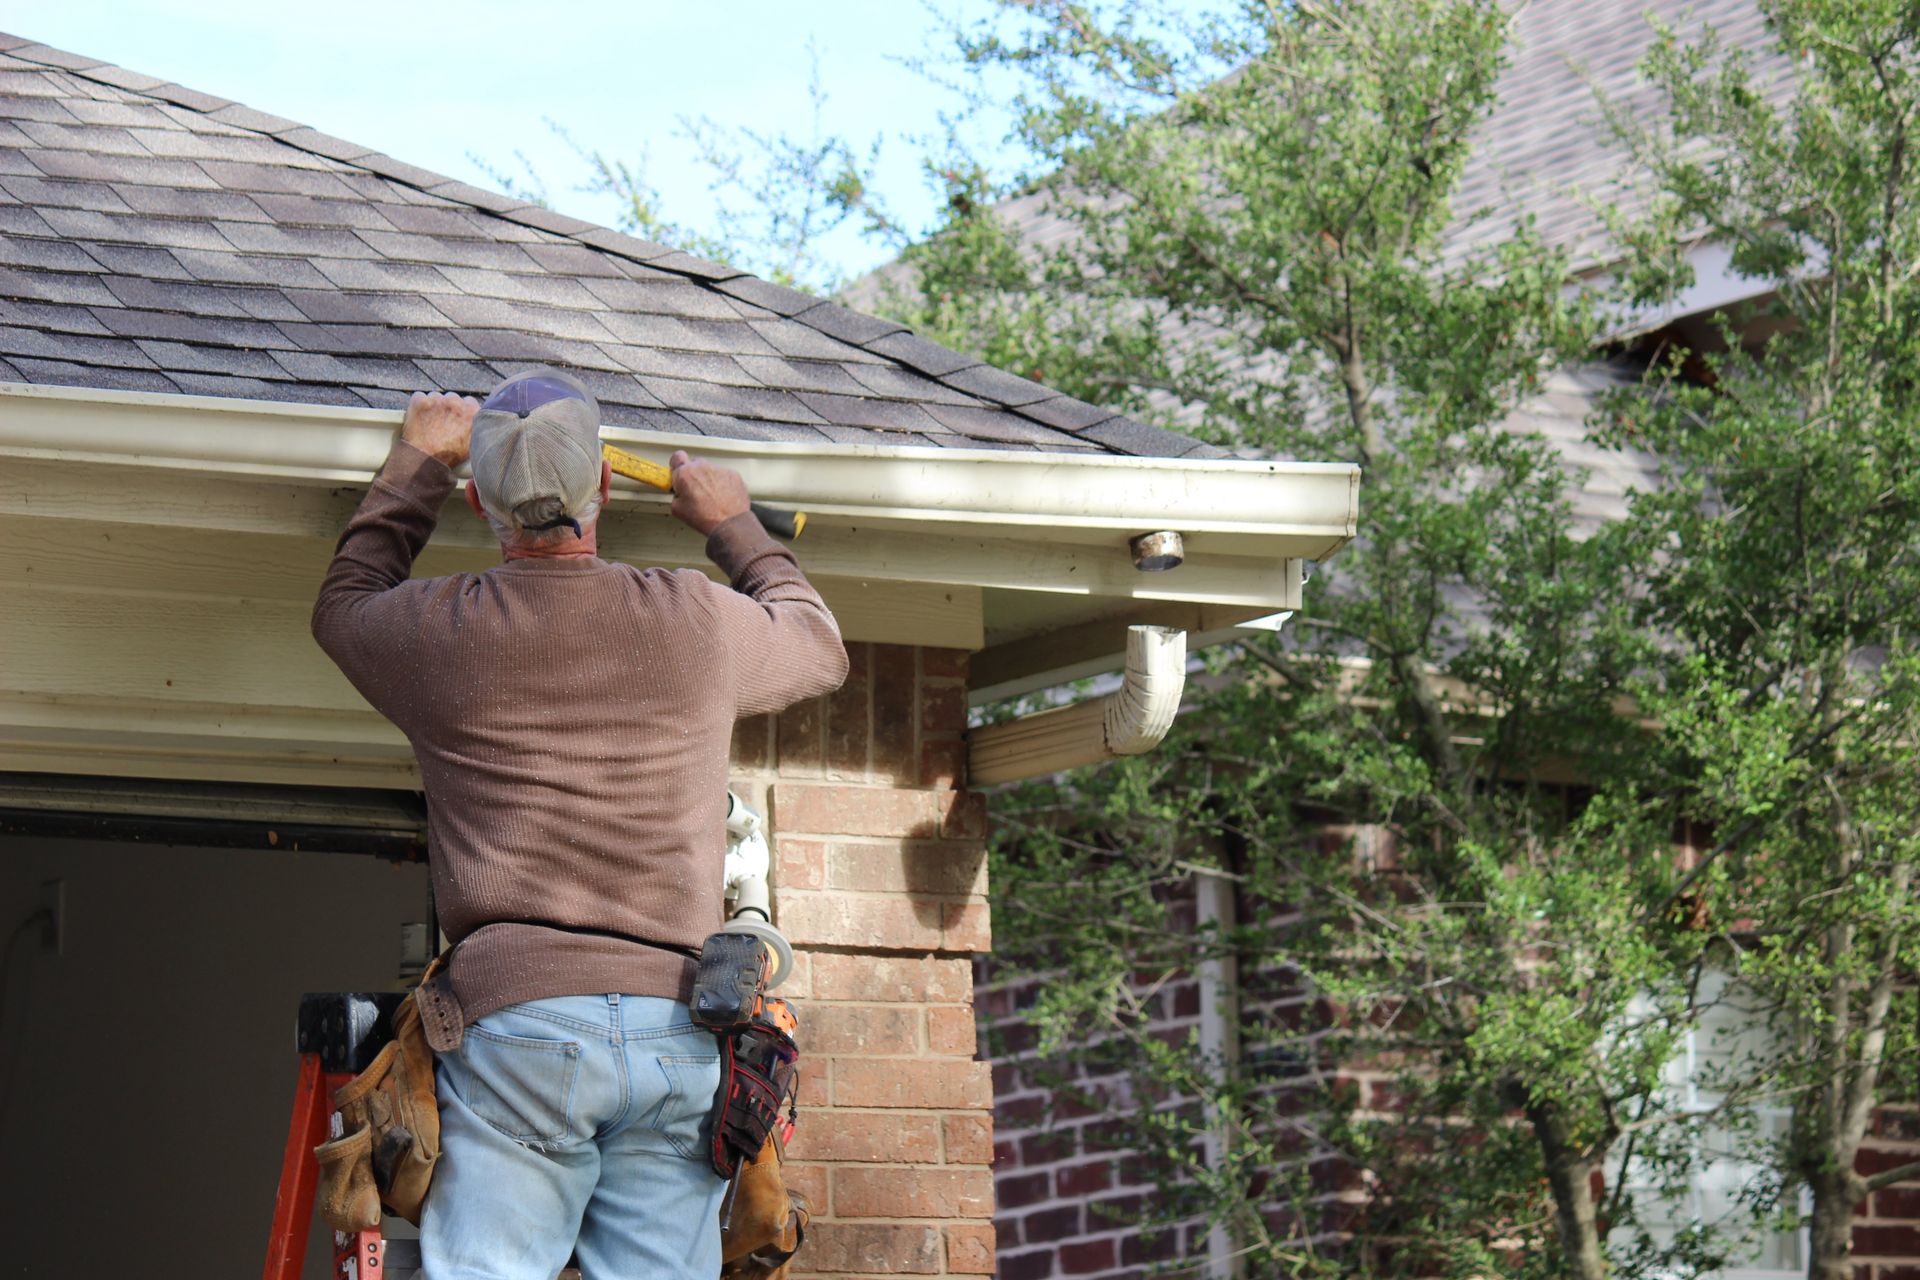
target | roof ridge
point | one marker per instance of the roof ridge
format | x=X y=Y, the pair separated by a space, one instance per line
x=896 y=342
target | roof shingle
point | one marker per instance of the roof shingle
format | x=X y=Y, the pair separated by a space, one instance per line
x=156 y=238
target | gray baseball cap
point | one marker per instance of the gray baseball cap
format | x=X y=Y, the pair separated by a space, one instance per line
x=536 y=450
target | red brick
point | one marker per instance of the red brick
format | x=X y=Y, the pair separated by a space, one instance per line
x=752 y=744
x=799 y=983
x=808 y=1182
x=1159 y=1246
x=800 y=864
x=1049 y=1145
x=1083 y=1180
x=961 y=1086
x=866 y=1136
x=1037 y=1265
x=966 y=926
x=1899 y=1201
x=1059 y=1223
x=913 y=1193
x=864 y=1029
x=1116 y=1210
x=1015 y=1193
x=943 y=765
x=813 y=1091
x=892 y=978
x=895 y=752
x=909 y=866
x=1021 y=1111
x=801 y=734
x=859 y=920
x=873 y=1248
x=849 y=712
x=969 y=1138
x=1900 y=1243
x=943 y=707
x=944 y=664
x=1086 y=1255
x=963 y=814
x=951 y=1031
x=829 y=809
x=970 y=1249
x=1872 y=1160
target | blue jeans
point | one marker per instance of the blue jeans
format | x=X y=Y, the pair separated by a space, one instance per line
x=576 y=1123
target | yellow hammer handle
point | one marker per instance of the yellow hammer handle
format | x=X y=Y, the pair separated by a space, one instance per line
x=782 y=524
x=634 y=467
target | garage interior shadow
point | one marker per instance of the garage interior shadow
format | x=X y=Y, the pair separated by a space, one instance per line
x=147 y=1069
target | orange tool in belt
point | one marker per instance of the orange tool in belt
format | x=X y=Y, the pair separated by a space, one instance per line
x=779 y=523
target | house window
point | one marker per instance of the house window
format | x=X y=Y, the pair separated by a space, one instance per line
x=1723 y=1174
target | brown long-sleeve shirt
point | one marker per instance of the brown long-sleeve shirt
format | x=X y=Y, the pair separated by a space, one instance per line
x=572 y=719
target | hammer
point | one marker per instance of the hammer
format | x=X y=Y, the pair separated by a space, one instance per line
x=781 y=524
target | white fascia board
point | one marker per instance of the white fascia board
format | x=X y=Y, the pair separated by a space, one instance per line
x=1716 y=286
x=1270 y=510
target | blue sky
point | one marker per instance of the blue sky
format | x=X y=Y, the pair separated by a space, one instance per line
x=431 y=82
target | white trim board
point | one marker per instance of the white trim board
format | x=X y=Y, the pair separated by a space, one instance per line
x=1237 y=507
x=158 y=555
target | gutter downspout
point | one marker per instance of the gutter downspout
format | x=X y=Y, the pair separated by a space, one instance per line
x=1130 y=721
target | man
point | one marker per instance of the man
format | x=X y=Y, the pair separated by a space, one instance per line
x=572 y=719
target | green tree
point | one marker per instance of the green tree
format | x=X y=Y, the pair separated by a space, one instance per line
x=1259 y=207
x=1790 y=694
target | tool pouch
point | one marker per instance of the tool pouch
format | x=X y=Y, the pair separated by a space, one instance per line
x=763 y=1224
x=347 y=1198
x=390 y=1133
x=759 y=1076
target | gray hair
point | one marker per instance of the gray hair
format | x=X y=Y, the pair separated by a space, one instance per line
x=514 y=532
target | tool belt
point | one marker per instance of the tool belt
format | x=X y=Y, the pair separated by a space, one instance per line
x=390 y=1130
x=444 y=1021
x=389 y=1141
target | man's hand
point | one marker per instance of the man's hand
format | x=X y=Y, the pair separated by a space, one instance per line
x=705 y=494
x=440 y=423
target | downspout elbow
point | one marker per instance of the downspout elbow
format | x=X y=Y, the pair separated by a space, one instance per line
x=1127 y=722
x=1141 y=710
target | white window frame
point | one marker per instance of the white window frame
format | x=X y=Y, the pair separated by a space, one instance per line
x=1684 y=1074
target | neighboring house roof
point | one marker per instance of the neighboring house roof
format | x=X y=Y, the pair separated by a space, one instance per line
x=154 y=238
x=1544 y=154
x=1545 y=150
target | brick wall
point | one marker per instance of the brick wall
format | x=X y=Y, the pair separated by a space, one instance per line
x=1886 y=1229
x=880 y=883
x=1068 y=1189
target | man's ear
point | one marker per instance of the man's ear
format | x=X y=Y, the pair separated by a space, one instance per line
x=606 y=480
x=473 y=500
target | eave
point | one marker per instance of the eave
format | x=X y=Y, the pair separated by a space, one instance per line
x=139 y=628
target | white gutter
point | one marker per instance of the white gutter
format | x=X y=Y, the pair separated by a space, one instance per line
x=1130 y=721
x=1272 y=510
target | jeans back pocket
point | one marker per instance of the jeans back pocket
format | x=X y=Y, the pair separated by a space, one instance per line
x=693 y=1081
x=521 y=1085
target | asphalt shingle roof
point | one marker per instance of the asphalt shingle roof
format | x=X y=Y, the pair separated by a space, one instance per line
x=155 y=238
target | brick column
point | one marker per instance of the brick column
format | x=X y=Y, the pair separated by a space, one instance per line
x=879 y=880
